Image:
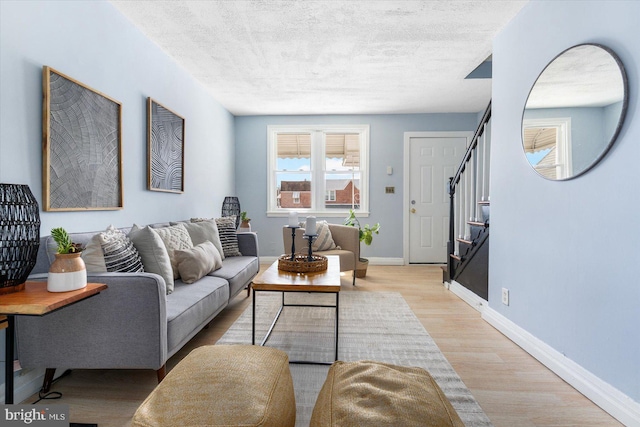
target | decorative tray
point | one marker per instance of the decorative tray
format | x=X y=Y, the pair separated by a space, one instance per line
x=301 y=263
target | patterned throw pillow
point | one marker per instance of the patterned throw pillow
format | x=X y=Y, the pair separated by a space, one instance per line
x=175 y=238
x=228 y=236
x=112 y=251
x=324 y=241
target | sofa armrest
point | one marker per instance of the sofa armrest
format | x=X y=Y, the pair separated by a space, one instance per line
x=248 y=243
x=347 y=237
x=124 y=326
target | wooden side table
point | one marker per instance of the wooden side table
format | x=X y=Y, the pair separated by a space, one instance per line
x=34 y=300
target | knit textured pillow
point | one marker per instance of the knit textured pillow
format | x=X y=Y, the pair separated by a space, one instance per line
x=228 y=236
x=112 y=251
x=175 y=238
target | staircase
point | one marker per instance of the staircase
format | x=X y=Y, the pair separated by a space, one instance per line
x=468 y=245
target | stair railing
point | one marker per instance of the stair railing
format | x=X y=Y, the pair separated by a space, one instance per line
x=468 y=187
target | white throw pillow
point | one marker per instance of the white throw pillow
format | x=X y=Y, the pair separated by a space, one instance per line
x=198 y=261
x=153 y=252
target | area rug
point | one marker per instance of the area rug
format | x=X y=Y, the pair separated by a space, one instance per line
x=376 y=326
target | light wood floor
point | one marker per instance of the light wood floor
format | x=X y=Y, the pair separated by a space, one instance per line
x=512 y=388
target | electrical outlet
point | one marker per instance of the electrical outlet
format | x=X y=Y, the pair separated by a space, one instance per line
x=505 y=296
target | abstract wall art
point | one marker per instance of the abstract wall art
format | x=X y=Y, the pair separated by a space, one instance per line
x=165 y=147
x=82 y=146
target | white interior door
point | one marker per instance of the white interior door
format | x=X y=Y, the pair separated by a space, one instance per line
x=432 y=160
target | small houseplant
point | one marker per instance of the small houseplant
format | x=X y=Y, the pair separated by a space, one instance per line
x=67 y=272
x=244 y=224
x=366 y=235
x=65 y=245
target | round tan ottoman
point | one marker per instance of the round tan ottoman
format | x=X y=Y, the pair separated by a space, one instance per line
x=378 y=394
x=223 y=385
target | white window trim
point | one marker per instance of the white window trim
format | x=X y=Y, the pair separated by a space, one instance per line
x=317 y=157
x=563 y=147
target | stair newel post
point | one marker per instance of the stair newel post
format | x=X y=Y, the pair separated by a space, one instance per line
x=450 y=243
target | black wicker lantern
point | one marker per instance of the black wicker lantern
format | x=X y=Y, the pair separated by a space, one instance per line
x=19 y=236
x=231 y=207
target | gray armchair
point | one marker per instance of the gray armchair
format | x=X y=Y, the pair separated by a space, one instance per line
x=347 y=238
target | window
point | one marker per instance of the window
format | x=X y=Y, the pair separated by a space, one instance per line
x=318 y=169
x=547 y=146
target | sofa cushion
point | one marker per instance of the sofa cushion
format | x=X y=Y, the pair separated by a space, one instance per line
x=111 y=251
x=238 y=271
x=153 y=253
x=190 y=306
x=198 y=261
x=174 y=237
x=228 y=236
x=369 y=393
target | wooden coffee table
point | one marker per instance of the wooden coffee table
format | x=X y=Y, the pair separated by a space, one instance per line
x=274 y=280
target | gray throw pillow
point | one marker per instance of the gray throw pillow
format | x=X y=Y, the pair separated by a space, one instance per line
x=202 y=231
x=153 y=253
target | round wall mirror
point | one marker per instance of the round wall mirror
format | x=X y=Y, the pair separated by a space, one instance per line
x=574 y=111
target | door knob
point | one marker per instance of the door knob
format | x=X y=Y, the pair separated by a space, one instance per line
x=413 y=210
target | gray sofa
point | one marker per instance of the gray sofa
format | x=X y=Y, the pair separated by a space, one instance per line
x=133 y=324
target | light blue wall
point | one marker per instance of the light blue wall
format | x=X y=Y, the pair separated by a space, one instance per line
x=92 y=42
x=386 y=149
x=568 y=251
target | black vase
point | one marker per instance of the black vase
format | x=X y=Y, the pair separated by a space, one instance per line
x=19 y=236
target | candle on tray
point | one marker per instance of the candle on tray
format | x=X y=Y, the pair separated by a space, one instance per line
x=293 y=219
x=310 y=228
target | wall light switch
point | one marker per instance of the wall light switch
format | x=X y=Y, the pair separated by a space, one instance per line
x=389 y=190
x=389 y=170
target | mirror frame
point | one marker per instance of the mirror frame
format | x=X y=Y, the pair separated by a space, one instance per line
x=623 y=112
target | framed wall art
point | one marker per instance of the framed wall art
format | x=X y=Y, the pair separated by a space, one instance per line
x=82 y=146
x=165 y=148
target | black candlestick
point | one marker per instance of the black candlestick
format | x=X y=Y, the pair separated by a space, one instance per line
x=310 y=237
x=293 y=240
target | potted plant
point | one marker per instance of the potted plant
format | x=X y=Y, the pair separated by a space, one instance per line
x=244 y=222
x=366 y=235
x=67 y=272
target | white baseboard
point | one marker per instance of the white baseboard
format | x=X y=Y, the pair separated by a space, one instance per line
x=25 y=383
x=467 y=296
x=610 y=399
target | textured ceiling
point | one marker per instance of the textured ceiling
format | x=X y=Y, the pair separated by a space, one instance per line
x=265 y=57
